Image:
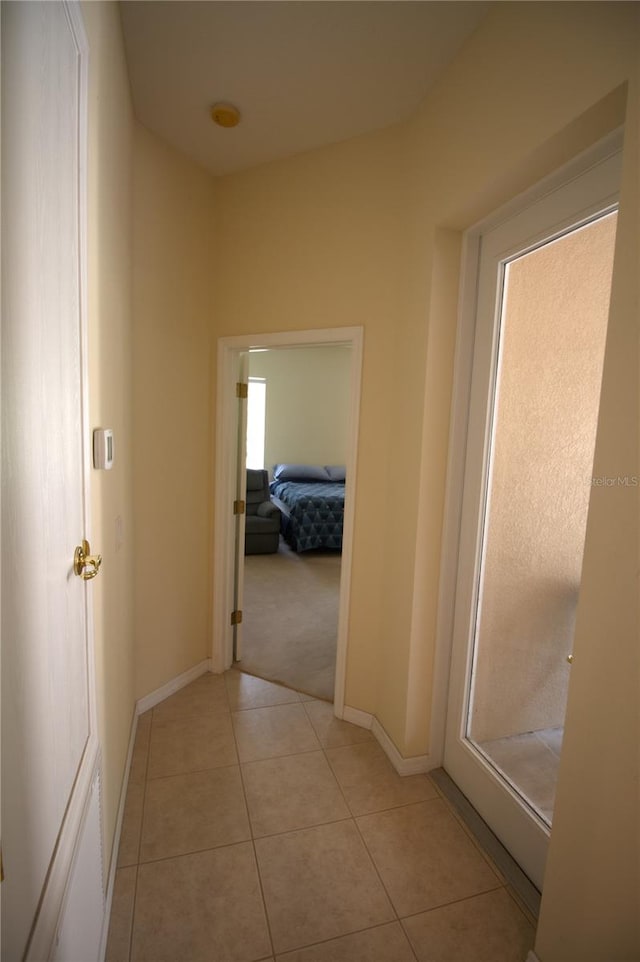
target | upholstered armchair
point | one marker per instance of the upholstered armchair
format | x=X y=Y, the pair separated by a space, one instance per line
x=262 y=520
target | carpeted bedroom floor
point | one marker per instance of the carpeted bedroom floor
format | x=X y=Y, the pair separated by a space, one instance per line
x=290 y=618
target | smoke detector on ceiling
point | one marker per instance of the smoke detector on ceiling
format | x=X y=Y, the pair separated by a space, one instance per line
x=225 y=115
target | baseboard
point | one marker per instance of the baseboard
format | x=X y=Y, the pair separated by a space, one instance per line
x=415 y=765
x=155 y=697
x=113 y=863
x=404 y=766
x=356 y=717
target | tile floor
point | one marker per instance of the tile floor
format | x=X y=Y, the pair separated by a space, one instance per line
x=259 y=827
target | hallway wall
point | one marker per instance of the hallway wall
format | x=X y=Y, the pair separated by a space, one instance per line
x=110 y=139
x=307 y=395
x=173 y=230
x=367 y=232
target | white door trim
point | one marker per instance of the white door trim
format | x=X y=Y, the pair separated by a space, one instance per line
x=229 y=349
x=461 y=397
x=466 y=445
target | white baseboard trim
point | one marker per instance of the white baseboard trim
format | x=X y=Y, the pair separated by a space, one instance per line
x=360 y=718
x=404 y=766
x=415 y=765
x=113 y=862
x=155 y=697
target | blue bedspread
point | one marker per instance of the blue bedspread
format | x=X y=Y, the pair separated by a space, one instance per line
x=314 y=513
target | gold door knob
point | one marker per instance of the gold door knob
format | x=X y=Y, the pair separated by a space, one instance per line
x=86 y=565
x=570 y=659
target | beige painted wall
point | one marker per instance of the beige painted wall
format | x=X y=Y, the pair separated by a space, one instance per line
x=552 y=350
x=110 y=380
x=173 y=225
x=368 y=233
x=354 y=233
x=307 y=403
x=300 y=246
x=496 y=131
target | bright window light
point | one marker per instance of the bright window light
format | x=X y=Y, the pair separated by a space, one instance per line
x=256 y=416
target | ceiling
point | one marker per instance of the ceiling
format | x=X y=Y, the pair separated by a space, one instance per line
x=303 y=74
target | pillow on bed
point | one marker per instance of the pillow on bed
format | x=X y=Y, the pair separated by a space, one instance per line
x=336 y=472
x=300 y=472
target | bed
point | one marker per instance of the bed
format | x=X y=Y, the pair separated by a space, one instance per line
x=311 y=501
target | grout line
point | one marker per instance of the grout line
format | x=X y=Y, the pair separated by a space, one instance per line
x=267 y=758
x=137 y=866
x=195 y=851
x=280 y=704
x=477 y=843
x=458 y=901
x=346 y=935
x=502 y=880
x=366 y=848
x=488 y=843
x=133 y=914
x=305 y=828
x=192 y=771
x=253 y=846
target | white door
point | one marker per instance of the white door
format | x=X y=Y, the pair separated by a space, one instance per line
x=50 y=783
x=528 y=443
x=241 y=500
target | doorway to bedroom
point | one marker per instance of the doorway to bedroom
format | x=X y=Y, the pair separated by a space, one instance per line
x=296 y=443
x=292 y=590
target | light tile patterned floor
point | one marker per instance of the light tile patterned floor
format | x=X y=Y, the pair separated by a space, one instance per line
x=259 y=827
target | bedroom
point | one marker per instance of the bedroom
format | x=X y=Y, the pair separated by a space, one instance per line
x=297 y=415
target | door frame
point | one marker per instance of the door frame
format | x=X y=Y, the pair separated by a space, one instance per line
x=463 y=446
x=228 y=359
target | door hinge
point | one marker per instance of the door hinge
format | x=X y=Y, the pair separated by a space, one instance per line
x=238 y=507
x=242 y=390
x=236 y=617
